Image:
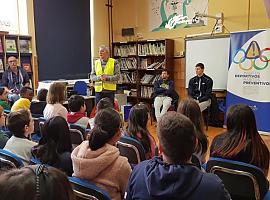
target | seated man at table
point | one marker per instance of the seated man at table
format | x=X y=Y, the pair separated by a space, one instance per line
x=200 y=87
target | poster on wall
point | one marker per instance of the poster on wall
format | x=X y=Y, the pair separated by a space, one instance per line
x=171 y=14
x=249 y=69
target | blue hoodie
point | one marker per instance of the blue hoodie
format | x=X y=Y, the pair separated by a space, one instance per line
x=155 y=180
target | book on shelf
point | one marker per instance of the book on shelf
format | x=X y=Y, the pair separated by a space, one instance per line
x=25 y=46
x=146 y=92
x=127 y=63
x=125 y=50
x=1 y=65
x=147 y=78
x=27 y=67
x=127 y=77
x=1 y=46
x=11 y=46
x=151 y=49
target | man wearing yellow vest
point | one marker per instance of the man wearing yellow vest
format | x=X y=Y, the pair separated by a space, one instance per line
x=105 y=74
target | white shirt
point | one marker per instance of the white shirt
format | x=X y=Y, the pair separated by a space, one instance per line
x=52 y=110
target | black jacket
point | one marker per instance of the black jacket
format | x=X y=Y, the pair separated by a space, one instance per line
x=200 y=91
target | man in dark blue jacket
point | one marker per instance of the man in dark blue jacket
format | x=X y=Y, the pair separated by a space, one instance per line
x=200 y=87
x=163 y=94
x=172 y=176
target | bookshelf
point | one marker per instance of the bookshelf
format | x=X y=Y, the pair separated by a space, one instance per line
x=19 y=46
x=141 y=64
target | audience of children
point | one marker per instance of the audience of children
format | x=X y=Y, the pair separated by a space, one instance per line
x=241 y=141
x=98 y=160
x=137 y=128
x=21 y=125
x=4 y=98
x=76 y=105
x=26 y=96
x=55 y=99
x=55 y=147
x=172 y=176
x=36 y=182
x=3 y=137
x=37 y=106
x=191 y=109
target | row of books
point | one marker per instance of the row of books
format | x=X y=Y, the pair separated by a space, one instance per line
x=149 y=78
x=128 y=77
x=125 y=50
x=151 y=49
x=11 y=47
x=146 y=64
x=27 y=66
x=127 y=63
x=146 y=92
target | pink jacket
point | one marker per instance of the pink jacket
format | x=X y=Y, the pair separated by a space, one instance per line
x=104 y=167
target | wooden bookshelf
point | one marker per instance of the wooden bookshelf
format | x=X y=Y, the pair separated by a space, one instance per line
x=19 y=46
x=141 y=64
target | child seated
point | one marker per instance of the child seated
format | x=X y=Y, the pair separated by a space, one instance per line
x=4 y=98
x=21 y=125
x=76 y=105
x=24 y=102
x=3 y=137
x=35 y=182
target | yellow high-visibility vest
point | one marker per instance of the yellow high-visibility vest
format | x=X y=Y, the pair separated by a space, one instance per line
x=109 y=70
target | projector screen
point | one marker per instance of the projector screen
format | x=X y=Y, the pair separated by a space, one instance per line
x=214 y=54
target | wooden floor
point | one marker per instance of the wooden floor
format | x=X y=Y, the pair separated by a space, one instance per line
x=211 y=133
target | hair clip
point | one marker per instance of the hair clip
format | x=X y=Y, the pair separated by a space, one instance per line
x=38 y=171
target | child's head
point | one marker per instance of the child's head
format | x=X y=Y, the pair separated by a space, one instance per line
x=104 y=103
x=177 y=137
x=106 y=129
x=35 y=182
x=56 y=131
x=3 y=93
x=20 y=123
x=27 y=92
x=56 y=93
x=42 y=94
x=76 y=103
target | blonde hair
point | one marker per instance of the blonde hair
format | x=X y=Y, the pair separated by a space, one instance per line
x=56 y=93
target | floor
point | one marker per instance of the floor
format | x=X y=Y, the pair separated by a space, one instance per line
x=212 y=132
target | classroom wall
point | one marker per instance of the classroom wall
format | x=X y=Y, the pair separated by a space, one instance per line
x=237 y=17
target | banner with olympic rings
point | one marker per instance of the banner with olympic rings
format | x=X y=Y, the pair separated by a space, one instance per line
x=249 y=74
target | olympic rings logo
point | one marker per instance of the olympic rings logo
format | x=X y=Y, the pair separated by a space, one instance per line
x=253 y=53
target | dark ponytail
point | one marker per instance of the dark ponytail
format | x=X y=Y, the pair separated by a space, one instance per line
x=107 y=124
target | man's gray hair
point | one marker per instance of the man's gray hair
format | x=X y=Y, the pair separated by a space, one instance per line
x=104 y=48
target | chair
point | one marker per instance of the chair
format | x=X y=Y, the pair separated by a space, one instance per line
x=242 y=180
x=79 y=128
x=80 y=87
x=6 y=164
x=132 y=149
x=86 y=190
x=76 y=137
x=16 y=160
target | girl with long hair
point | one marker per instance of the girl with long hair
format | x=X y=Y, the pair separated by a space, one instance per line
x=137 y=128
x=98 y=160
x=241 y=141
x=55 y=147
x=191 y=109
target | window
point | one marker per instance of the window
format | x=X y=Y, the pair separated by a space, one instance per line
x=13 y=16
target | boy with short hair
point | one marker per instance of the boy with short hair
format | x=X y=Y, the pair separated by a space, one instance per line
x=21 y=125
x=76 y=105
x=24 y=102
x=173 y=176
